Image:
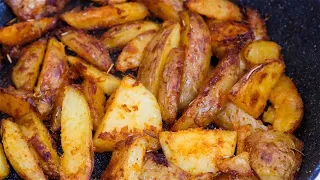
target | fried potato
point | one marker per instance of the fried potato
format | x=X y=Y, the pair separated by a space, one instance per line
x=258 y=52
x=197 y=151
x=127 y=159
x=120 y=35
x=40 y=141
x=217 y=9
x=233 y=177
x=131 y=110
x=251 y=92
x=165 y=9
x=4 y=166
x=55 y=121
x=212 y=97
x=76 y=136
x=238 y=165
x=257 y=24
x=24 y=32
x=287 y=106
x=25 y=72
x=52 y=76
x=18 y=152
x=106 y=16
x=132 y=54
x=155 y=57
x=169 y=91
x=274 y=155
x=243 y=132
x=104 y=2
x=228 y=36
x=96 y=99
x=87 y=47
x=195 y=38
x=107 y=82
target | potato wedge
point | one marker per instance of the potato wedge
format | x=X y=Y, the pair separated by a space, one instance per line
x=252 y=91
x=212 y=97
x=195 y=38
x=25 y=72
x=4 y=166
x=96 y=99
x=120 y=35
x=165 y=9
x=217 y=9
x=107 y=82
x=76 y=136
x=18 y=152
x=169 y=91
x=105 y=16
x=132 y=54
x=131 y=110
x=197 y=151
x=155 y=57
x=24 y=32
x=52 y=76
x=287 y=106
x=55 y=123
x=40 y=141
x=127 y=159
x=104 y=2
x=238 y=165
x=257 y=24
x=87 y=47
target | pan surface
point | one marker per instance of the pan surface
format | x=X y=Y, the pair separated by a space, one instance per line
x=295 y=25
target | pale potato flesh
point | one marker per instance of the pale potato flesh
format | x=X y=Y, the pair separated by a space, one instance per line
x=238 y=165
x=4 y=166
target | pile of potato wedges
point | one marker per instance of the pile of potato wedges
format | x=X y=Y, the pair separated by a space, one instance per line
x=140 y=79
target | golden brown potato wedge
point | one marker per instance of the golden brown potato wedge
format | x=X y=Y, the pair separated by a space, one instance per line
x=24 y=32
x=131 y=110
x=155 y=57
x=87 y=47
x=76 y=136
x=257 y=24
x=18 y=152
x=127 y=159
x=25 y=72
x=252 y=91
x=132 y=54
x=40 y=141
x=217 y=9
x=169 y=91
x=107 y=82
x=212 y=97
x=196 y=150
x=165 y=9
x=120 y=35
x=104 y=2
x=96 y=99
x=55 y=123
x=4 y=166
x=105 y=16
x=52 y=76
x=287 y=106
x=195 y=38
x=238 y=165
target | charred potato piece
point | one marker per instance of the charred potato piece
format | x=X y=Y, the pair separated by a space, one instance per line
x=131 y=110
x=257 y=24
x=104 y=2
x=25 y=72
x=24 y=32
x=198 y=151
x=252 y=91
x=132 y=54
x=169 y=91
x=120 y=35
x=274 y=154
x=217 y=9
x=287 y=106
x=106 y=16
x=155 y=57
x=76 y=136
x=87 y=47
x=18 y=152
x=195 y=38
x=4 y=166
x=238 y=165
x=107 y=82
x=212 y=97
x=40 y=141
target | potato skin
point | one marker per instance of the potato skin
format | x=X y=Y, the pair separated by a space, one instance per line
x=257 y=24
x=238 y=165
x=24 y=32
x=195 y=38
x=106 y=16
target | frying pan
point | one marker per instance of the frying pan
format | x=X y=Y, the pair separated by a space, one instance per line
x=295 y=25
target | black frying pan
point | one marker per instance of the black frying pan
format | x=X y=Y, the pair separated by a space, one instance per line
x=295 y=25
